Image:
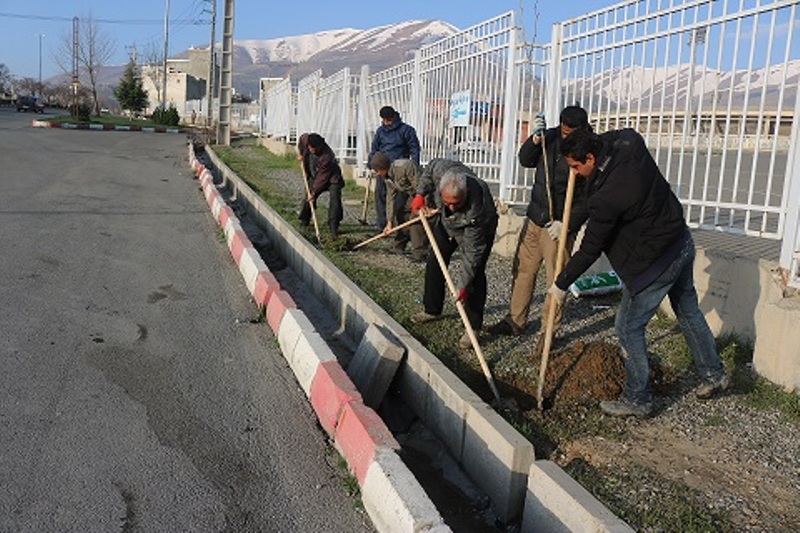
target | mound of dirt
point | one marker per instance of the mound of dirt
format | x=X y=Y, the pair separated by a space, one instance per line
x=584 y=373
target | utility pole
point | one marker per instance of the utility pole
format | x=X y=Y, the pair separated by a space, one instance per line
x=166 y=54
x=226 y=77
x=40 y=63
x=75 y=81
x=212 y=71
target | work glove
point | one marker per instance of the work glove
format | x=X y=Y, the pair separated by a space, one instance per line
x=554 y=229
x=462 y=295
x=559 y=295
x=417 y=203
x=539 y=125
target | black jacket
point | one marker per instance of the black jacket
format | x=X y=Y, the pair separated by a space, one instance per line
x=530 y=156
x=634 y=217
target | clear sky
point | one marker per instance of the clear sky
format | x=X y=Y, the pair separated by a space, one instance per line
x=141 y=22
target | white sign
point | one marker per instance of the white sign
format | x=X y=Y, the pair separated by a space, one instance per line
x=460 y=103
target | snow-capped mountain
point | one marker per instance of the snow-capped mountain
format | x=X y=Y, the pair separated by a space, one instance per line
x=300 y=55
x=301 y=48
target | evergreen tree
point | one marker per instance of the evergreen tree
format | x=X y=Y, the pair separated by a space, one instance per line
x=130 y=92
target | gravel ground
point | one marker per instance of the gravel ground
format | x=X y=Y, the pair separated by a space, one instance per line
x=742 y=464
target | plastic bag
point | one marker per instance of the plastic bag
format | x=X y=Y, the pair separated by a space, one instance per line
x=602 y=283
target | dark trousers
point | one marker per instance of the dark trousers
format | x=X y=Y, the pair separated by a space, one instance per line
x=380 y=202
x=435 y=282
x=335 y=208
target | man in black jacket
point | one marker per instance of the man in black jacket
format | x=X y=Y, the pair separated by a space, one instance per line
x=327 y=177
x=636 y=219
x=538 y=240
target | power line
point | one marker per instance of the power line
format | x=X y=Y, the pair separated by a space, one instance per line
x=132 y=22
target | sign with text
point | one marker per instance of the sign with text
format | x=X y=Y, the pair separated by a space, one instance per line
x=460 y=108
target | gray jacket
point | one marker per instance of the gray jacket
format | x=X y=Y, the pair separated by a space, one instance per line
x=473 y=225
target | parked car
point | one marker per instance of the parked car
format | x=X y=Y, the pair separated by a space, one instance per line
x=29 y=103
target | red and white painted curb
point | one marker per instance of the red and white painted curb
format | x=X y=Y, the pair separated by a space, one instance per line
x=393 y=498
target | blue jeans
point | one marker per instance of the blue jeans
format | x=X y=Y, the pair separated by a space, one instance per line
x=635 y=311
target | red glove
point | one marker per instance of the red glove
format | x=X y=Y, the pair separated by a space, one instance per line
x=462 y=295
x=417 y=203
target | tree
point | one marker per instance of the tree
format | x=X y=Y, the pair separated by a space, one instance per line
x=6 y=78
x=95 y=49
x=130 y=92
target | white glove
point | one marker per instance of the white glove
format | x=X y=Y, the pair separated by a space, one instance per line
x=558 y=295
x=539 y=125
x=554 y=229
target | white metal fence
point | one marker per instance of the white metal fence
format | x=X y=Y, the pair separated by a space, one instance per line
x=711 y=84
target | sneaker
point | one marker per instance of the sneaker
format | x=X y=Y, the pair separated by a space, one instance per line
x=708 y=389
x=504 y=327
x=423 y=318
x=625 y=407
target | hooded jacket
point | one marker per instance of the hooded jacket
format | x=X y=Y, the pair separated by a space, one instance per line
x=530 y=156
x=634 y=217
x=397 y=141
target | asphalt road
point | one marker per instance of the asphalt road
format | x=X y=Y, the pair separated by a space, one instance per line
x=135 y=393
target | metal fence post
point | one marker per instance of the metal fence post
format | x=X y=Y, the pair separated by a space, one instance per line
x=552 y=98
x=790 y=243
x=362 y=143
x=418 y=103
x=508 y=154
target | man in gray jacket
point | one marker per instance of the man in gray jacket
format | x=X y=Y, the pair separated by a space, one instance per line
x=467 y=221
x=402 y=181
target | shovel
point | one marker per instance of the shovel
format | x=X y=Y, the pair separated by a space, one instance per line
x=394 y=229
x=460 y=307
x=310 y=203
x=551 y=314
x=363 y=219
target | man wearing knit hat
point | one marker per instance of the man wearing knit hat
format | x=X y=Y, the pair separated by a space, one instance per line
x=397 y=140
x=402 y=179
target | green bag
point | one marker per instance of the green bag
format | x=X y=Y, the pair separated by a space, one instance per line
x=602 y=283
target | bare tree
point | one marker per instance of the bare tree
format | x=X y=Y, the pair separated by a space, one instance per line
x=153 y=61
x=95 y=49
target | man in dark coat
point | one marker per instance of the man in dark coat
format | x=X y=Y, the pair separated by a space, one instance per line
x=467 y=220
x=397 y=140
x=636 y=219
x=538 y=239
x=328 y=177
x=308 y=162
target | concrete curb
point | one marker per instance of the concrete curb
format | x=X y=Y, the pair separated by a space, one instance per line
x=391 y=495
x=104 y=127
